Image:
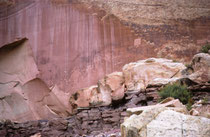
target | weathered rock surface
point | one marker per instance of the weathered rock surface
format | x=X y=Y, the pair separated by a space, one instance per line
x=94 y=121
x=153 y=71
x=23 y=96
x=108 y=89
x=154 y=12
x=170 y=123
x=72 y=43
x=113 y=84
x=201 y=68
x=173 y=29
x=164 y=120
x=174 y=104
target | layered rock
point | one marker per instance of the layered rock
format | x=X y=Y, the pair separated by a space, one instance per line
x=153 y=12
x=173 y=29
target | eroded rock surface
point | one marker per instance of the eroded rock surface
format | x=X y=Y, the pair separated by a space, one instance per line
x=72 y=43
x=153 y=71
x=201 y=68
x=154 y=12
x=163 y=120
x=108 y=89
x=23 y=96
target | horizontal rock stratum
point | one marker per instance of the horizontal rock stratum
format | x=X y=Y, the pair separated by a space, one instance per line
x=154 y=12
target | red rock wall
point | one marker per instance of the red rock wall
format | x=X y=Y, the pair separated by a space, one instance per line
x=74 y=47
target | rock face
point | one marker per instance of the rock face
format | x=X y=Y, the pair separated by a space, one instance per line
x=164 y=121
x=152 y=12
x=72 y=43
x=153 y=71
x=23 y=96
x=173 y=29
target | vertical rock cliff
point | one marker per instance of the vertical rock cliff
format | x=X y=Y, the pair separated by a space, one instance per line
x=72 y=45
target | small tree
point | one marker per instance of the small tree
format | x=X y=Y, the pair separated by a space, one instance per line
x=176 y=91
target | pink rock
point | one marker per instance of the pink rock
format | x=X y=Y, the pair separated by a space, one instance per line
x=201 y=68
x=86 y=97
x=138 y=75
x=113 y=83
x=24 y=96
x=110 y=88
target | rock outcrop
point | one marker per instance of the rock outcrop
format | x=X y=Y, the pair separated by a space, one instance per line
x=201 y=68
x=23 y=96
x=164 y=120
x=154 y=71
x=108 y=89
x=136 y=77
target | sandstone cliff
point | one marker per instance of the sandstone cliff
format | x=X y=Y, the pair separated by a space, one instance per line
x=75 y=45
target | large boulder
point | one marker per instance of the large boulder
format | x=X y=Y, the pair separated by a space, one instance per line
x=201 y=68
x=86 y=97
x=151 y=71
x=113 y=84
x=170 y=123
x=164 y=120
x=108 y=89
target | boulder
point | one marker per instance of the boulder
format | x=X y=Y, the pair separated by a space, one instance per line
x=201 y=68
x=138 y=75
x=86 y=97
x=170 y=123
x=114 y=84
x=164 y=120
x=108 y=89
x=170 y=102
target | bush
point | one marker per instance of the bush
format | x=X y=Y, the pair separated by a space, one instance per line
x=205 y=48
x=176 y=91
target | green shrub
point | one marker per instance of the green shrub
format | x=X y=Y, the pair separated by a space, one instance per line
x=176 y=91
x=205 y=48
x=205 y=100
